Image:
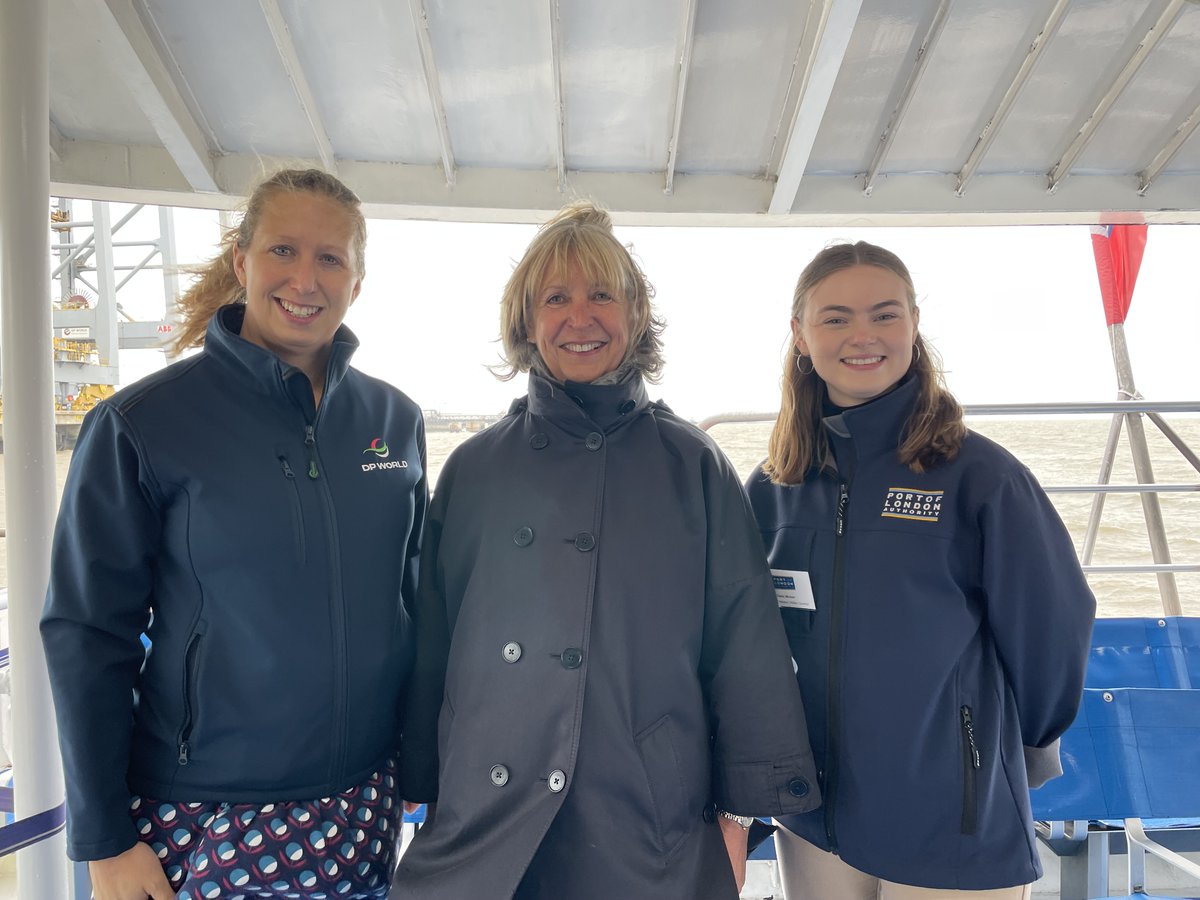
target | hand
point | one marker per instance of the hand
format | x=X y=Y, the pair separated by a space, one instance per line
x=135 y=874
x=735 y=846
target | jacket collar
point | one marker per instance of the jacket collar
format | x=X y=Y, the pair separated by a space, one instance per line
x=581 y=408
x=259 y=369
x=874 y=427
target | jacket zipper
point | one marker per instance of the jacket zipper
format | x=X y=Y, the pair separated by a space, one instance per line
x=970 y=766
x=191 y=658
x=297 y=509
x=834 y=723
x=310 y=441
x=341 y=676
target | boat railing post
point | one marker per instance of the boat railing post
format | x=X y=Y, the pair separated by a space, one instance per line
x=1151 y=509
x=29 y=427
x=1173 y=436
x=1106 y=466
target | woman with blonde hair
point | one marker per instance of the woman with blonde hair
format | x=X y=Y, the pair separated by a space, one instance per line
x=254 y=511
x=603 y=692
x=937 y=615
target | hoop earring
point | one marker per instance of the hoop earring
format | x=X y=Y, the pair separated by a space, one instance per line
x=916 y=353
x=811 y=367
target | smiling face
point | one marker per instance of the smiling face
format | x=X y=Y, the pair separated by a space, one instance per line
x=858 y=327
x=581 y=329
x=300 y=275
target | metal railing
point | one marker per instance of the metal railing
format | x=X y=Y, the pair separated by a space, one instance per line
x=1121 y=410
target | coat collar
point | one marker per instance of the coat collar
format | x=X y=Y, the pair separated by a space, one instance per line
x=581 y=408
x=874 y=427
x=261 y=370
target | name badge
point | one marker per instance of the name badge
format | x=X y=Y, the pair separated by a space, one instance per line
x=793 y=590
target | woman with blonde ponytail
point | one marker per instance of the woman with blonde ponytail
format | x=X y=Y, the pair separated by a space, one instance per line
x=226 y=628
x=602 y=694
x=936 y=614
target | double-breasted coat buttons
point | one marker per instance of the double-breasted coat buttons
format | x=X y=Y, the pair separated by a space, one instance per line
x=523 y=536
x=511 y=652
x=583 y=541
x=539 y=441
x=499 y=775
x=571 y=658
x=594 y=441
x=557 y=781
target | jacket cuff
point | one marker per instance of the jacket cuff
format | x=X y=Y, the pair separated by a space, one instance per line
x=1042 y=764
x=775 y=788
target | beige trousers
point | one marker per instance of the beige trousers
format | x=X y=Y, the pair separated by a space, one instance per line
x=809 y=873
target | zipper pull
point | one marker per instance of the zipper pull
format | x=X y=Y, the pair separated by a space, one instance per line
x=287 y=470
x=310 y=441
x=969 y=727
x=842 y=508
x=183 y=753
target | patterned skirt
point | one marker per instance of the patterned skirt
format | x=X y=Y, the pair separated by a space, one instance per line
x=341 y=847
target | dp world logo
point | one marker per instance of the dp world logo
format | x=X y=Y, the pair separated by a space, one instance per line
x=379 y=447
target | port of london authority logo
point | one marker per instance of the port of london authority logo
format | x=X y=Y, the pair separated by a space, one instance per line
x=918 y=506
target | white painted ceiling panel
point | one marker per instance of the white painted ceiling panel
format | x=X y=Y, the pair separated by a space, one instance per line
x=364 y=68
x=741 y=69
x=187 y=101
x=493 y=58
x=619 y=65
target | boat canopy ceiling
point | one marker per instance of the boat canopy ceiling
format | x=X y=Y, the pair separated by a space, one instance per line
x=706 y=112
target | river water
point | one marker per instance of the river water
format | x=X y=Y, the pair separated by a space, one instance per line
x=1060 y=451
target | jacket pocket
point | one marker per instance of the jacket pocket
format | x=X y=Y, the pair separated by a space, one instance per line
x=191 y=679
x=970 y=810
x=297 y=512
x=665 y=781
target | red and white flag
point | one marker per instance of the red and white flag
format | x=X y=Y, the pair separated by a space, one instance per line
x=1118 y=250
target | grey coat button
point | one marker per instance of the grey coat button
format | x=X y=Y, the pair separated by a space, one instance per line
x=557 y=781
x=523 y=536
x=512 y=652
x=499 y=776
x=583 y=541
x=539 y=441
x=594 y=441
x=572 y=658
x=627 y=407
x=798 y=787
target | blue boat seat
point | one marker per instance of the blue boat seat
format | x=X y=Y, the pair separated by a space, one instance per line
x=1130 y=756
x=1161 y=652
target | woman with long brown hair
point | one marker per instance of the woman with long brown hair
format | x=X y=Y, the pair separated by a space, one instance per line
x=936 y=612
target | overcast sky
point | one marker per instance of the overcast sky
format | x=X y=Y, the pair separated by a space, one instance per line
x=1014 y=311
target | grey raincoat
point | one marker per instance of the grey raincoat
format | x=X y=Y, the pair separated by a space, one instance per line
x=597 y=629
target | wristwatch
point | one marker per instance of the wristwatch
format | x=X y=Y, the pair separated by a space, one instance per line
x=744 y=821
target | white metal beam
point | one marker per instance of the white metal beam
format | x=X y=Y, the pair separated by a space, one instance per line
x=687 y=39
x=1087 y=131
x=1164 y=156
x=295 y=73
x=906 y=94
x=433 y=85
x=122 y=38
x=107 y=172
x=560 y=111
x=994 y=124
x=837 y=24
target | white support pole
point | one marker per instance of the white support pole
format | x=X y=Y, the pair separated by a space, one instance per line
x=29 y=423
x=1159 y=549
x=106 y=336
